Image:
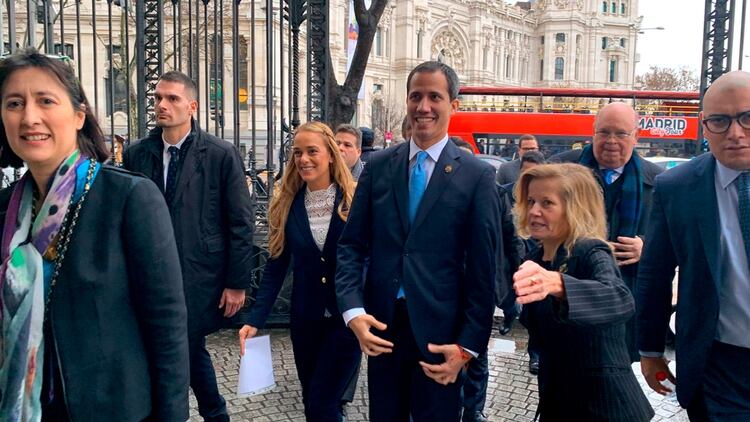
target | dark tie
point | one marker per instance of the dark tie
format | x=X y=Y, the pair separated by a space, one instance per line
x=743 y=197
x=174 y=164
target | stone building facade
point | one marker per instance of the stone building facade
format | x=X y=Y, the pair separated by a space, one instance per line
x=541 y=43
x=552 y=43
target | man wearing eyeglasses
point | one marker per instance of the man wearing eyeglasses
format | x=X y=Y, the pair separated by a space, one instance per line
x=701 y=223
x=627 y=181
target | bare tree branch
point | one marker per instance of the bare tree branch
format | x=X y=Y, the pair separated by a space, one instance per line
x=343 y=98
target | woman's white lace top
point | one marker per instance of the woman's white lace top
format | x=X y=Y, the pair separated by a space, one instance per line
x=319 y=206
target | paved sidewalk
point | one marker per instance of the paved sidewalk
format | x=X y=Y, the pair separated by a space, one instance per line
x=511 y=394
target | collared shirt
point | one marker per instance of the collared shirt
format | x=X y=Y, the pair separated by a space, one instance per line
x=617 y=172
x=433 y=153
x=165 y=153
x=734 y=293
x=734 y=301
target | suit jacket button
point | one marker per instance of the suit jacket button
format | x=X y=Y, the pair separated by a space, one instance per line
x=323 y=280
x=322 y=259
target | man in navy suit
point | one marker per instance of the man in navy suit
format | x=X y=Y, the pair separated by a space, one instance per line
x=426 y=216
x=701 y=222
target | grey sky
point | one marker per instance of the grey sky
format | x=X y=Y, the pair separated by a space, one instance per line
x=680 y=43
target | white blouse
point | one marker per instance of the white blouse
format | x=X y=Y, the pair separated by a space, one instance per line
x=319 y=206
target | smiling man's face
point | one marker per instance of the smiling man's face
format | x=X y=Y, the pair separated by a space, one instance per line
x=429 y=107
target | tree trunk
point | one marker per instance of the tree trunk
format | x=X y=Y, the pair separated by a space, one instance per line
x=342 y=99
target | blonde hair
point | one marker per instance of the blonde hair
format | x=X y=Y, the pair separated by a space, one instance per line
x=583 y=201
x=291 y=182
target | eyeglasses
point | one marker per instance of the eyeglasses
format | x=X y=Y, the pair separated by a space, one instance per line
x=720 y=123
x=620 y=136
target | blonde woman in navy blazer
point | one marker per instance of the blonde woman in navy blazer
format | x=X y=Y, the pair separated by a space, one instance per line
x=316 y=186
x=575 y=302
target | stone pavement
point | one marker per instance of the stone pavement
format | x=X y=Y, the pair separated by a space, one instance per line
x=511 y=394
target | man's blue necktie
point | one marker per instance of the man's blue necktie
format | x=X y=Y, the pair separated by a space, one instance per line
x=743 y=197
x=171 y=186
x=417 y=186
x=609 y=176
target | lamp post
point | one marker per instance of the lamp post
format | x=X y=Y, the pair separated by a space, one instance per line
x=636 y=31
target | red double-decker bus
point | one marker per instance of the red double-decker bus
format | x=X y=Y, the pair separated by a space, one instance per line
x=563 y=118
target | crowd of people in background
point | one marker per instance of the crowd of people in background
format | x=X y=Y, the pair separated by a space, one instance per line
x=111 y=279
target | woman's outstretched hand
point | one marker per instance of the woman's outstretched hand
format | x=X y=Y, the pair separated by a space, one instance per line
x=533 y=283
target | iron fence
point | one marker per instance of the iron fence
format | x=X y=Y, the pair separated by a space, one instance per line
x=248 y=48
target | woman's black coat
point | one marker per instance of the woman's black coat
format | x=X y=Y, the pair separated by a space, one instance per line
x=118 y=310
x=584 y=367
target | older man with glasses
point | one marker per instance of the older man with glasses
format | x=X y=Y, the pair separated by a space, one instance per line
x=627 y=181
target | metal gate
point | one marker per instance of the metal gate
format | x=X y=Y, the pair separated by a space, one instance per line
x=249 y=49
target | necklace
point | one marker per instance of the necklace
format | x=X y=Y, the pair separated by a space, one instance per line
x=66 y=231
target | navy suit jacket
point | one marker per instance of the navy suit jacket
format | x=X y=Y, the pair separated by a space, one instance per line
x=684 y=232
x=314 y=270
x=445 y=261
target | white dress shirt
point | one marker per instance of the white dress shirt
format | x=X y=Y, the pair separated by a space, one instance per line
x=433 y=153
x=165 y=154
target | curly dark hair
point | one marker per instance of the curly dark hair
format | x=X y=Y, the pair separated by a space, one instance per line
x=90 y=137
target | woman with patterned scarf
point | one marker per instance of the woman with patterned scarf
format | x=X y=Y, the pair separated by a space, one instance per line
x=92 y=314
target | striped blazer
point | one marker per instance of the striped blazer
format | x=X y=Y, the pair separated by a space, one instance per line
x=584 y=367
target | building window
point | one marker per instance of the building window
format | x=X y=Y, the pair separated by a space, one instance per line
x=420 y=35
x=541 y=70
x=604 y=7
x=622 y=42
x=116 y=49
x=622 y=8
x=542 y=39
x=67 y=51
x=613 y=70
x=115 y=82
x=576 y=70
x=378 y=110
x=604 y=42
x=560 y=37
x=559 y=68
x=378 y=43
x=377 y=88
x=485 y=57
x=507 y=66
x=614 y=8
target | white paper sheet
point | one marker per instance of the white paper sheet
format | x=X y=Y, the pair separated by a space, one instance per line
x=501 y=346
x=256 y=367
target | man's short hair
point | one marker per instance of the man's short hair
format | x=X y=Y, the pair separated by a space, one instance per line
x=368 y=137
x=534 y=157
x=181 y=78
x=447 y=71
x=347 y=128
x=526 y=137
